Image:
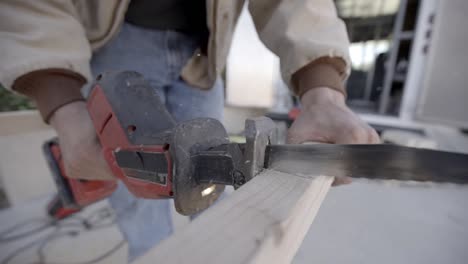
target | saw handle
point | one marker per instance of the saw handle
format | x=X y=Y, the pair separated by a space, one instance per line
x=73 y=194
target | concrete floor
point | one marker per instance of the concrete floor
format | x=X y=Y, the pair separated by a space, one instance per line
x=82 y=247
x=389 y=223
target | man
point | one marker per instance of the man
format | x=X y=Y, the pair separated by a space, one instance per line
x=51 y=49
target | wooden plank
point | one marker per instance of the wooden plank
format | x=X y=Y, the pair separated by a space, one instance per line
x=264 y=221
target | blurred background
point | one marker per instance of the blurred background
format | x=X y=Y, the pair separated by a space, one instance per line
x=408 y=64
x=409 y=81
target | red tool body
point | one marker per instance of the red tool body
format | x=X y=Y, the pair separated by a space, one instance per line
x=113 y=138
x=136 y=132
x=113 y=135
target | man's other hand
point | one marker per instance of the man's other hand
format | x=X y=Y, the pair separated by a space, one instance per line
x=325 y=118
x=79 y=144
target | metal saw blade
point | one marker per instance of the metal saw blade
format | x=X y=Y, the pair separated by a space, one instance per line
x=387 y=162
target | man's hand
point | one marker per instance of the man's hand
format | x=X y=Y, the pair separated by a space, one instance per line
x=79 y=144
x=325 y=118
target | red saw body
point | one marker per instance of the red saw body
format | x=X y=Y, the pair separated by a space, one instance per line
x=142 y=145
x=114 y=139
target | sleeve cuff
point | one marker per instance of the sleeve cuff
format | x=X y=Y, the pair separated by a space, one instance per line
x=51 y=89
x=322 y=72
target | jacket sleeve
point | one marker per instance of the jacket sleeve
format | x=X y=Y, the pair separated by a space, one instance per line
x=304 y=33
x=37 y=35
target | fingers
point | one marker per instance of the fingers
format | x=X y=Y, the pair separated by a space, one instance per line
x=87 y=162
x=79 y=144
x=351 y=134
x=299 y=137
x=358 y=134
x=374 y=138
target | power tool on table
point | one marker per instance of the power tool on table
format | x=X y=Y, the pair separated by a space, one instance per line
x=192 y=161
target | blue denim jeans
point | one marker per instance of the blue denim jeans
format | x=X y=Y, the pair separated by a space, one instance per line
x=159 y=56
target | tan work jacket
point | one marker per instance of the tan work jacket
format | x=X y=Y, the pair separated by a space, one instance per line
x=61 y=34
